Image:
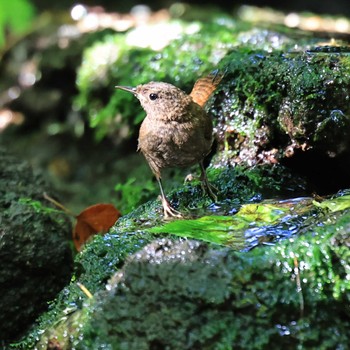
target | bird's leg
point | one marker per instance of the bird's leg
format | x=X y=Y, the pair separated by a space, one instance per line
x=206 y=186
x=169 y=211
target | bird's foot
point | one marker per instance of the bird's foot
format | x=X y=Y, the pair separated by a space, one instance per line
x=207 y=187
x=169 y=211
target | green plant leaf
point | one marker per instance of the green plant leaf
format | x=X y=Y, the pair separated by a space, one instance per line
x=225 y=230
x=335 y=204
x=15 y=16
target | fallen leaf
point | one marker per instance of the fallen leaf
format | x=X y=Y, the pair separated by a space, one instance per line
x=98 y=218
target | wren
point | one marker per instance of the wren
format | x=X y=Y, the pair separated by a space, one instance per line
x=177 y=131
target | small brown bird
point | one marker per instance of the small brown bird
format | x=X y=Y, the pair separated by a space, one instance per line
x=177 y=132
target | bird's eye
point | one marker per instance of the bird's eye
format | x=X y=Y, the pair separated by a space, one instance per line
x=153 y=96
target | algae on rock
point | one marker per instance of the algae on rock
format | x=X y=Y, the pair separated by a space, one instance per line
x=286 y=106
x=186 y=294
x=290 y=98
x=36 y=259
x=131 y=61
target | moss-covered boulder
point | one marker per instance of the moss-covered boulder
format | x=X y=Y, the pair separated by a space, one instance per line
x=183 y=294
x=284 y=97
x=289 y=107
x=36 y=259
x=186 y=295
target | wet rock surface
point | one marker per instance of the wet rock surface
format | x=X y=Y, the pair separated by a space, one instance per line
x=289 y=107
x=286 y=270
x=35 y=256
x=190 y=295
x=172 y=292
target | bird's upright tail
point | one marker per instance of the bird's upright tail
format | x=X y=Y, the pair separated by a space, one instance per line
x=205 y=86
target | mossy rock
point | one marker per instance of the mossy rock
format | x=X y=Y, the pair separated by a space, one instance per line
x=35 y=255
x=283 y=99
x=183 y=294
x=289 y=107
x=186 y=295
x=300 y=98
x=210 y=295
x=193 y=49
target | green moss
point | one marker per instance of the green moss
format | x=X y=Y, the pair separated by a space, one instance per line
x=263 y=297
x=290 y=295
x=253 y=224
x=34 y=247
x=283 y=98
x=130 y=62
x=232 y=230
x=93 y=267
x=335 y=204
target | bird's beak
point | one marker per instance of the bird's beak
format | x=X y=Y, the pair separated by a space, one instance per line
x=127 y=88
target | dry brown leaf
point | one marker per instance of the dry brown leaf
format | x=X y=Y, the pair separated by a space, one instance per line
x=98 y=218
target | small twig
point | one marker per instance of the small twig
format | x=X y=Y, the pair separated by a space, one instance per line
x=299 y=287
x=58 y=204
x=85 y=290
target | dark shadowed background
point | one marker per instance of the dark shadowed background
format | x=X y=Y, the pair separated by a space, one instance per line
x=338 y=7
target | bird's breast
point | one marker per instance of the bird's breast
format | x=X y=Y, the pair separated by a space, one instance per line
x=172 y=143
